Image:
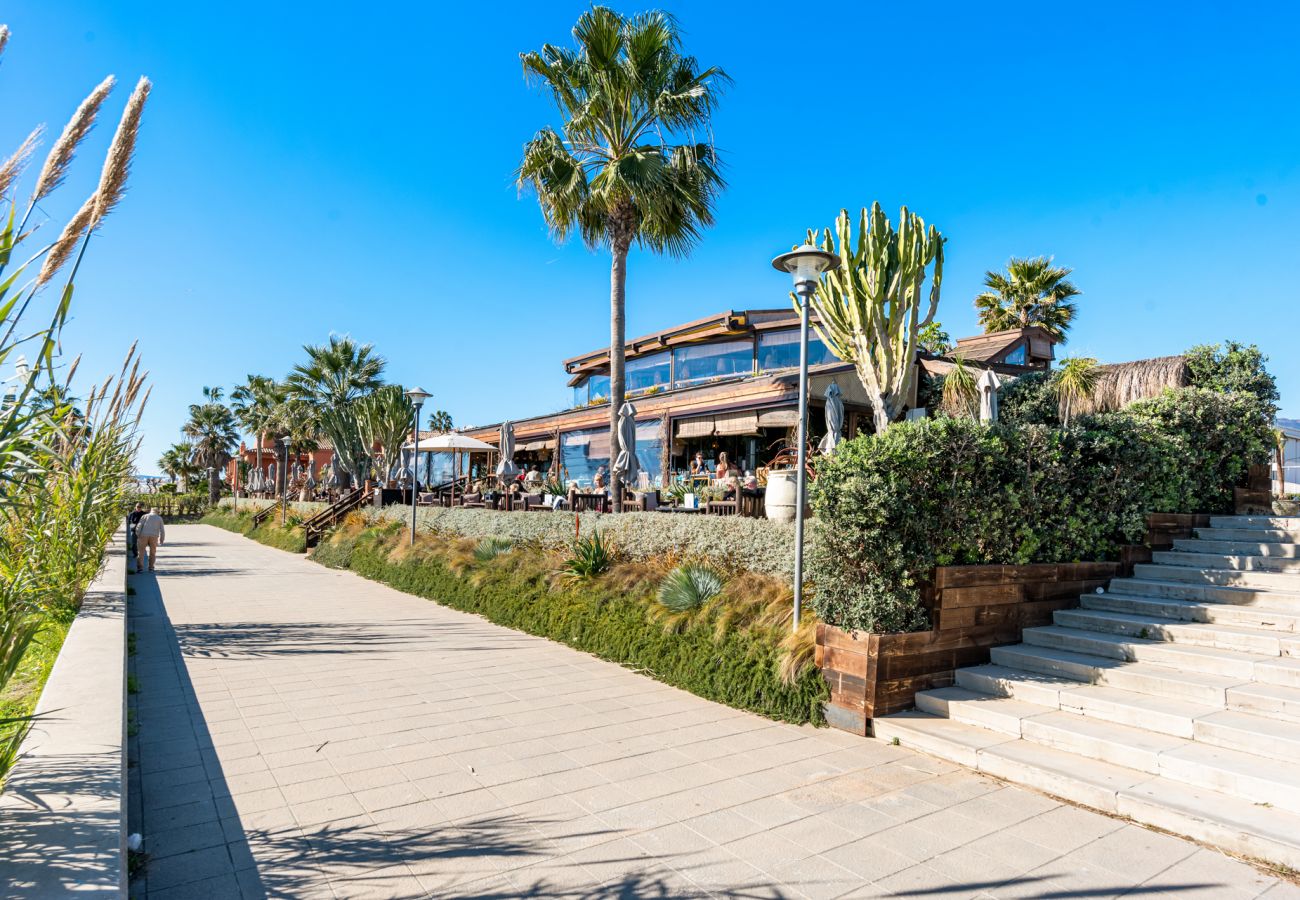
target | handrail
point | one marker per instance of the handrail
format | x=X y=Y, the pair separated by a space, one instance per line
x=264 y=513
x=331 y=515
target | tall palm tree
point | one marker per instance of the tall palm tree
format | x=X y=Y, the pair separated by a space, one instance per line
x=213 y=438
x=628 y=165
x=333 y=378
x=1030 y=292
x=254 y=403
x=440 y=421
x=177 y=463
x=299 y=421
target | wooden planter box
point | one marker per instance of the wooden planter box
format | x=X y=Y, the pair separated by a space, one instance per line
x=973 y=608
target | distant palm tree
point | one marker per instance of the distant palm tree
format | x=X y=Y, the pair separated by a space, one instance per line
x=1076 y=380
x=613 y=173
x=177 y=463
x=213 y=439
x=336 y=373
x=254 y=402
x=1030 y=292
x=440 y=421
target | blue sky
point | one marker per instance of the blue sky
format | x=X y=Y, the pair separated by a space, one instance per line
x=316 y=168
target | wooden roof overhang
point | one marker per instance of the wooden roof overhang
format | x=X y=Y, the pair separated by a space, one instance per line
x=746 y=392
x=732 y=323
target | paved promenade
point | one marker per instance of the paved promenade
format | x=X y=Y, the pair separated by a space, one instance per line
x=303 y=732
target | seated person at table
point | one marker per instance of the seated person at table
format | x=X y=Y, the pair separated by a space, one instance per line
x=724 y=466
x=533 y=476
x=598 y=482
x=697 y=465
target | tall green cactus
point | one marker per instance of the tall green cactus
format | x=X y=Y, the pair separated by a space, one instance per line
x=870 y=308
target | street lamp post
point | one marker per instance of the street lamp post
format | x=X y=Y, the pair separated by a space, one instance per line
x=417 y=396
x=806 y=264
x=284 y=481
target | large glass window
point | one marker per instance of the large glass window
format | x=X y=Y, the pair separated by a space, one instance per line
x=580 y=393
x=598 y=388
x=698 y=363
x=583 y=452
x=1016 y=357
x=780 y=350
x=646 y=372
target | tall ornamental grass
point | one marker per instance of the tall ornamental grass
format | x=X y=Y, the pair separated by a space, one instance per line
x=64 y=462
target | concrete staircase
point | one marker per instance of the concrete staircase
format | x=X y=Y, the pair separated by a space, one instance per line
x=1172 y=698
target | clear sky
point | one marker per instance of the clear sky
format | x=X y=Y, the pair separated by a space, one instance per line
x=327 y=167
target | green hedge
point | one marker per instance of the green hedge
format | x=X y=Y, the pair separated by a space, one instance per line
x=600 y=616
x=291 y=537
x=953 y=492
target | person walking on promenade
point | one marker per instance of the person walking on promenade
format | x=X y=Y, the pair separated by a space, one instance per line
x=132 y=519
x=149 y=535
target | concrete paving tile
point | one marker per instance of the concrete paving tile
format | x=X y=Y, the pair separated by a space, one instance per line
x=1133 y=852
x=185 y=868
x=1209 y=872
x=868 y=859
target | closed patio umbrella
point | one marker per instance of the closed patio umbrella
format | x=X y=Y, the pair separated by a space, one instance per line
x=506 y=468
x=626 y=464
x=988 y=388
x=834 y=420
x=270 y=477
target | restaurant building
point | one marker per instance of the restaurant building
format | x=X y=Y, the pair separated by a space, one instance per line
x=727 y=382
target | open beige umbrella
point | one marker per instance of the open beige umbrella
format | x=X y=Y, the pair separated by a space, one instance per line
x=454 y=443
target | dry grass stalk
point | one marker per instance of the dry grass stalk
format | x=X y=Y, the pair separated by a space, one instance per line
x=1120 y=384
x=14 y=165
x=117 y=165
x=62 y=250
x=65 y=148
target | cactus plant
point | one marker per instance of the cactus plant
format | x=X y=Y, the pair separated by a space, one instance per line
x=870 y=308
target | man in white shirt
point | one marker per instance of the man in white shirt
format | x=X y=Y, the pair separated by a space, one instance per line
x=150 y=534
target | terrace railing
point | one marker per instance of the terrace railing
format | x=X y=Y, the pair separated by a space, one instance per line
x=327 y=518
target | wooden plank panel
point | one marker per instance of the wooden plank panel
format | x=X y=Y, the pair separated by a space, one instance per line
x=846 y=662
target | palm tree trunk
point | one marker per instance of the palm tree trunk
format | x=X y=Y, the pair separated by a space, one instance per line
x=259 y=458
x=214 y=485
x=617 y=331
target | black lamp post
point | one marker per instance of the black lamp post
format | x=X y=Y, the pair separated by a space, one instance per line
x=284 y=480
x=417 y=396
x=806 y=264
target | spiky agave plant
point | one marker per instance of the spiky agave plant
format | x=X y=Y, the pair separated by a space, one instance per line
x=489 y=548
x=590 y=556
x=689 y=587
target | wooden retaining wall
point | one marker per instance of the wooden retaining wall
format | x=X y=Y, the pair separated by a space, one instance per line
x=973 y=608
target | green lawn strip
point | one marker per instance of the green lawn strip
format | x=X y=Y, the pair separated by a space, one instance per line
x=21 y=694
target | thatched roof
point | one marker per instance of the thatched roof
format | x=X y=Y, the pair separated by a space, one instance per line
x=1120 y=384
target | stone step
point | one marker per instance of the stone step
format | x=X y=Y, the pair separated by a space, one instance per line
x=1261 y=735
x=1260 y=641
x=1267 y=581
x=1184 y=657
x=1133 y=743
x=1271 y=549
x=1163 y=714
x=1207 y=593
x=1276 y=701
x=1235 y=563
x=1287 y=523
x=1267 y=535
x=996 y=713
x=1194 y=611
x=1142 y=678
x=1235 y=825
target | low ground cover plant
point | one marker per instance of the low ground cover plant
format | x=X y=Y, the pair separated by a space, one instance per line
x=889 y=508
x=736 y=648
x=731 y=543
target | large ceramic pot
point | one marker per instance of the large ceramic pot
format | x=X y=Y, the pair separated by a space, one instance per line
x=780 y=498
